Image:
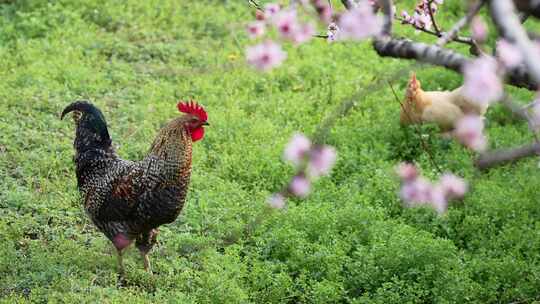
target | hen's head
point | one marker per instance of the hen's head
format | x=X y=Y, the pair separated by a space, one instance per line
x=413 y=87
x=194 y=118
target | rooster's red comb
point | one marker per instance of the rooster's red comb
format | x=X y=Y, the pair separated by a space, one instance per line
x=191 y=107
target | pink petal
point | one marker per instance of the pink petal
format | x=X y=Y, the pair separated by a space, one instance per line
x=508 y=53
x=360 y=23
x=265 y=56
x=438 y=200
x=286 y=23
x=299 y=186
x=479 y=29
x=407 y=172
x=296 y=149
x=469 y=131
x=416 y=192
x=303 y=34
x=482 y=84
x=277 y=201
x=270 y=10
x=453 y=186
x=321 y=161
x=256 y=29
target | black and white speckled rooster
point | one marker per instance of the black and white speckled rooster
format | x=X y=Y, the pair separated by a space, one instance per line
x=128 y=200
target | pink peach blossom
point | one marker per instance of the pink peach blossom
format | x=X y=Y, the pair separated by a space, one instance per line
x=299 y=186
x=407 y=172
x=321 y=161
x=482 y=84
x=479 y=29
x=297 y=149
x=265 y=56
x=417 y=191
x=286 y=23
x=323 y=10
x=438 y=199
x=469 y=131
x=508 y=53
x=256 y=29
x=304 y=33
x=453 y=186
x=270 y=10
x=360 y=23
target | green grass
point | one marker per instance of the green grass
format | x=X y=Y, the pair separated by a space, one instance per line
x=349 y=242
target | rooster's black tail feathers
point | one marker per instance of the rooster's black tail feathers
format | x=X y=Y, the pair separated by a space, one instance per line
x=92 y=129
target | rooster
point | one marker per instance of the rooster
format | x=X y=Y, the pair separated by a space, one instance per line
x=443 y=108
x=129 y=200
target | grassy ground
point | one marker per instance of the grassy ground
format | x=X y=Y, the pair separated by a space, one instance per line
x=349 y=242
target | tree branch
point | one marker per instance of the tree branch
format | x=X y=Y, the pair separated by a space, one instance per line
x=503 y=13
x=348 y=4
x=531 y=7
x=387 y=10
x=491 y=159
x=407 y=49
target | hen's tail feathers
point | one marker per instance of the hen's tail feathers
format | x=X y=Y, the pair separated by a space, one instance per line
x=92 y=129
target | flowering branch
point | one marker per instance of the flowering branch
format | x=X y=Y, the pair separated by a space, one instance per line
x=417 y=190
x=482 y=75
x=435 y=55
x=504 y=15
x=452 y=33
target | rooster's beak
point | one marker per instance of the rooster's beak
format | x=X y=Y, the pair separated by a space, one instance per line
x=205 y=123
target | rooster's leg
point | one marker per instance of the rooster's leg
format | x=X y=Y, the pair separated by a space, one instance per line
x=146 y=260
x=120 y=263
x=145 y=242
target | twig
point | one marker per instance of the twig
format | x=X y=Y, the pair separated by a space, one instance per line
x=255 y=4
x=320 y=36
x=460 y=39
x=452 y=33
x=432 y=17
x=418 y=131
